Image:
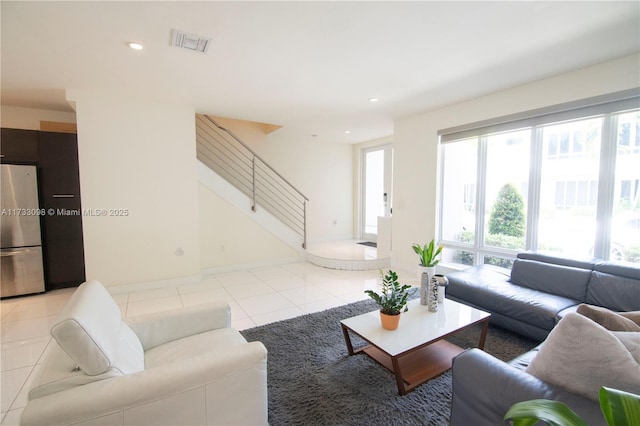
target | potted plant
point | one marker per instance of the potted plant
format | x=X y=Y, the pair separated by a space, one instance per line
x=392 y=300
x=427 y=255
x=618 y=408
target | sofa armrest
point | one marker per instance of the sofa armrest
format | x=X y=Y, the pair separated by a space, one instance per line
x=162 y=327
x=484 y=388
x=227 y=388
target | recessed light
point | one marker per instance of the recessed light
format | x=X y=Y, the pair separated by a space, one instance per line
x=373 y=99
x=347 y=131
x=135 y=46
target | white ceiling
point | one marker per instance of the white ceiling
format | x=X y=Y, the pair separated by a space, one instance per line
x=308 y=66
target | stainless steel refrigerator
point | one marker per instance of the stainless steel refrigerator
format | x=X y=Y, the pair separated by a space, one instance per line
x=21 y=253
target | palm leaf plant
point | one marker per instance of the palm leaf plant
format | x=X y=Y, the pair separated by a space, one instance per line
x=428 y=253
x=393 y=297
x=619 y=408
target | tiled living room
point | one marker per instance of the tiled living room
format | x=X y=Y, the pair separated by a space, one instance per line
x=204 y=171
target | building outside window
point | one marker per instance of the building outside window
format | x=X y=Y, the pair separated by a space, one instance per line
x=564 y=181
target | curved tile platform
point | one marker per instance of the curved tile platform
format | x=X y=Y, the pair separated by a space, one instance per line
x=346 y=255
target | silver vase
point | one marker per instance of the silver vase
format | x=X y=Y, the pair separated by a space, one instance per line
x=424 y=288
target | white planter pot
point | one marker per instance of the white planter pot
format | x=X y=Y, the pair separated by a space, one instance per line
x=431 y=270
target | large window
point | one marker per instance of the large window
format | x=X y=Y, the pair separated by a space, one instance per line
x=459 y=194
x=569 y=188
x=505 y=191
x=564 y=180
x=625 y=223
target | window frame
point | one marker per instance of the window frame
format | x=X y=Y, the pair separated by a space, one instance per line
x=606 y=106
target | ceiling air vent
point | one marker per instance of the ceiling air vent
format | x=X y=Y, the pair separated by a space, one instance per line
x=190 y=41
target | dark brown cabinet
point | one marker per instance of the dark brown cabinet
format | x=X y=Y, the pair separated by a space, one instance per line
x=19 y=146
x=60 y=196
x=56 y=155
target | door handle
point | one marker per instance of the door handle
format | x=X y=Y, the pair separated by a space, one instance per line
x=14 y=252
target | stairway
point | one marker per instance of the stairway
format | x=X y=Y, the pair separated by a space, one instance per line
x=270 y=196
x=229 y=168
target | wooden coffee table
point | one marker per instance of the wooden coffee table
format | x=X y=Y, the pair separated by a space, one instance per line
x=416 y=351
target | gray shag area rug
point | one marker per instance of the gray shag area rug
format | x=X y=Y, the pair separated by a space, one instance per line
x=313 y=381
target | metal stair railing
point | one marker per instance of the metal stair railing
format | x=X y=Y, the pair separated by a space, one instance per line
x=224 y=153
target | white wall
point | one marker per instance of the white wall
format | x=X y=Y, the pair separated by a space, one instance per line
x=229 y=238
x=416 y=140
x=140 y=156
x=324 y=173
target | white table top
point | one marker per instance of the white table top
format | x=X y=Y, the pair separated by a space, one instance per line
x=417 y=326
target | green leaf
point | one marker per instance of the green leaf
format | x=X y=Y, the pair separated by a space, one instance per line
x=554 y=413
x=619 y=408
x=429 y=251
x=420 y=252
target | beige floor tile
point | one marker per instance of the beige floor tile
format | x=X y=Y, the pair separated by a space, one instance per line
x=277 y=316
x=11 y=382
x=22 y=353
x=263 y=304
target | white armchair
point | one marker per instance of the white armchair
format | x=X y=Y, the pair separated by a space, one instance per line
x=183 y=367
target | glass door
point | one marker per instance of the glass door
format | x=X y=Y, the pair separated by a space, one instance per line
x=376 y=189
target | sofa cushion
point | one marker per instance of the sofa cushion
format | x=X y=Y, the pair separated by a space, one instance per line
x=581 y=356
x=618 y=269
x=215 y=340
x=565 y=281
x=615 y=287
x=481 y=274
x=513 y=301
x=555 y=259
x=90 y=330
x=610 y=320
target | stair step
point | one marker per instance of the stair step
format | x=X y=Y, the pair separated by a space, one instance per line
x=346 y=255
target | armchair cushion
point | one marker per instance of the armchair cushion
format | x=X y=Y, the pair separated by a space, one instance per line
x=221 y=340
x=162 y=327
x=59 y=373
x=90 y=330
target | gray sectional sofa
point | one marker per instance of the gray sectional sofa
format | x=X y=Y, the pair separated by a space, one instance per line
x=530 y=300
x=541 y=288
x=484 y=388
